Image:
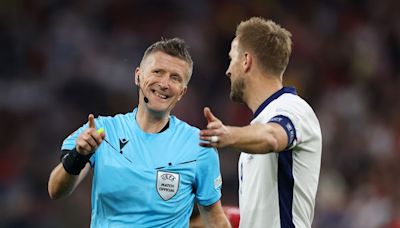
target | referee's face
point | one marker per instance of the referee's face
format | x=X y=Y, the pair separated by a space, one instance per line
x=163 y=80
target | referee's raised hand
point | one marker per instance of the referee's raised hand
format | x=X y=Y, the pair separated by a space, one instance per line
x=88 y=141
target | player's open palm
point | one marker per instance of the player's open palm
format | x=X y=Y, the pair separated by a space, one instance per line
x=216 y=134
x=88 y=141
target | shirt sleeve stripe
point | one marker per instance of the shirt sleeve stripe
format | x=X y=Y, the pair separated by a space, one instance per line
x=286 y=124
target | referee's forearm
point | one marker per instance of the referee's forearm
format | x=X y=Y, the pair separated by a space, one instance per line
x=220 y=222
x=62 y=183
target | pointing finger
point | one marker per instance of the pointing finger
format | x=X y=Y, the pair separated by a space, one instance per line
x=91 y=121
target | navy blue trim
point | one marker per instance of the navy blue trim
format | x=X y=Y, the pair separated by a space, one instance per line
x=286 y=124
x=285 y=188
x=275 y=95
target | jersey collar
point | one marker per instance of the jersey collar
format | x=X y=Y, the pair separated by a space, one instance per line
x=274 y=96
x=165 y=130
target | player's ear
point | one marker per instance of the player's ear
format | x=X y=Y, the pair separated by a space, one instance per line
x=247 y=61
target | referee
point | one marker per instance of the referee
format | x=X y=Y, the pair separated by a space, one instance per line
x=148 y=167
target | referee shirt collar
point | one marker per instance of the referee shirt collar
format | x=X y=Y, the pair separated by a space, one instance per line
x=274 y=96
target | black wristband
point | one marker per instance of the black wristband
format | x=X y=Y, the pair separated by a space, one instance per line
x=74 y=162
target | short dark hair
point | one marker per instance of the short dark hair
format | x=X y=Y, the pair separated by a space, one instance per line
x=174 y=47
x=270 y=43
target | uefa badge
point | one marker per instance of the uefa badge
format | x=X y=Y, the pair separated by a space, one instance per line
x=167 y=184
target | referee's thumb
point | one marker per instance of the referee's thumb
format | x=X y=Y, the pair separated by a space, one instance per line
x=209 y=116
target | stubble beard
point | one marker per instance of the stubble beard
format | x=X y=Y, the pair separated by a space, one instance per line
x=237 y=88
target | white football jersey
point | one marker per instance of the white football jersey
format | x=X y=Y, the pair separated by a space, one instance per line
x=279 y=189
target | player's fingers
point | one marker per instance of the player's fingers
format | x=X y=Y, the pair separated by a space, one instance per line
x=207 y=133
x=205 y=144
x=205 y=138
x=208 y=115
x=211 y=139
x=214 y=125
x=91 y=121
x=209 y=144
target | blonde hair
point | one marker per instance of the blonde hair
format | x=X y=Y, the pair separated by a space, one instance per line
x=175 y=47
x=269 y=42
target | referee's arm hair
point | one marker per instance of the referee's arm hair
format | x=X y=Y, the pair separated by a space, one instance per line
x=214 y=216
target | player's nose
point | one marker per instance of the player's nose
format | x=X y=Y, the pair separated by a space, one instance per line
x=228 y=73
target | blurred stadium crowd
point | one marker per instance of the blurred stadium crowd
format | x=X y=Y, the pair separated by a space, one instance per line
x=61 y=60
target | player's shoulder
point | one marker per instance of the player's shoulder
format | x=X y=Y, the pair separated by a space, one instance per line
x=298 y=110
x=292 y=99
x=294 y=103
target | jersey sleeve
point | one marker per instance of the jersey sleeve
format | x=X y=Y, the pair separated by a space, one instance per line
x=291 y=115
x=208 y=179
x=70 y=142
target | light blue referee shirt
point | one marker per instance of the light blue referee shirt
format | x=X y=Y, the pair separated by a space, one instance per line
x=149 y=180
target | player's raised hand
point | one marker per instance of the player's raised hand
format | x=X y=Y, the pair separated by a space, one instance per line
x=89 y=139
x=216 y=134
x=212 y=121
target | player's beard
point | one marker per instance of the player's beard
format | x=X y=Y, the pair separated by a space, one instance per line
x=237 y=88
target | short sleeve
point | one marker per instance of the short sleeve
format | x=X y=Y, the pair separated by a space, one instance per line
x=70 y=142
x=208 y=181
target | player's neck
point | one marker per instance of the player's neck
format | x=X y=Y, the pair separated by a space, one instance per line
x=149 y=122
x=260 y=89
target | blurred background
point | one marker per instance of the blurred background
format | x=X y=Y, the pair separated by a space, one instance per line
x=61 y=60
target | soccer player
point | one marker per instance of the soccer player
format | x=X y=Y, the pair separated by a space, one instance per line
x=281 y=149
x=148 y=167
